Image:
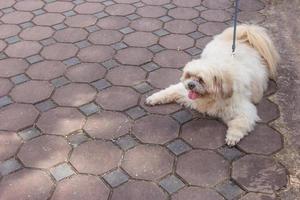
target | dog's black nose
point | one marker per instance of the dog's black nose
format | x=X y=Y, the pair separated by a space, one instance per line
x=191 y=85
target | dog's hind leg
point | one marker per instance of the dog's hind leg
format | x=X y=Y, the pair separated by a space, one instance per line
x=171 y=94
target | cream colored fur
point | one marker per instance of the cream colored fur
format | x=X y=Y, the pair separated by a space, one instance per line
x=233 y=83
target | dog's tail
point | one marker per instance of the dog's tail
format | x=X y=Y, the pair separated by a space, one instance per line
x=258 y=38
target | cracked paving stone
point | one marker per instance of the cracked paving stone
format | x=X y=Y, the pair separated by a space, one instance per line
x=61 y=171
x=126 y=142
x=116 y=178
x=29 y=133
x=259 y=174
x=178 y=147
x=171 y=184
x=9 y=166
x=230 y=190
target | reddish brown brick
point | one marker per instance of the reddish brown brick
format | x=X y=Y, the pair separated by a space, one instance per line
x=181 y=26
x=151 y=11
x=46 y=70
x=105 y=37
x=59 y=51
x=11 y=67
x=70 y=35
x=192 y=193
x=86 y=72
x=215 y=15
x=129 y=98
x=134 y=56
x=212 y=28
x=17 y=17
x=172 y=58
x=155 y=129
x=190 y=3
x=89 y=8
x=81 y=20
x=126 y=75
x=217 y=4
x=113 y=22
x=58 y=6
x=17 y=116
x=257 y=196
x=61 y=121
x=8 y=30
x=32 y=91
x=23 y=49
x=44 y=152
x=28 y=5
x=148 y=162
x=163 y=78
x=140 y=39
x=7 y=3
x=146 y=24
x=48 y=19
x=251 y=6
x=25 y=183
x=107 y=125
x=156 y=2
x=96 y=53
x=120 y=9
x=183 y=13
x=102 y=157
x=36 y=33
x=133 y=190
x=9 y=144
x=5 y=86
x=72 y=188
x=176 y=41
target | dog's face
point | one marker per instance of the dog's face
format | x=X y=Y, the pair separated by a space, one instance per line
x=206 y=82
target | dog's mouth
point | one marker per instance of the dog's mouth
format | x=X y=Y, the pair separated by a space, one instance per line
x=194 y=95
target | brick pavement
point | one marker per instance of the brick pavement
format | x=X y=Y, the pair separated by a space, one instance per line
x=73 y=125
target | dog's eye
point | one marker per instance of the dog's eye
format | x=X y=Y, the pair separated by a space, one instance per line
x=200 y=80
x=187 y=76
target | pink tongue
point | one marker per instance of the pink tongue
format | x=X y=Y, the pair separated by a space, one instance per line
x=193 y=95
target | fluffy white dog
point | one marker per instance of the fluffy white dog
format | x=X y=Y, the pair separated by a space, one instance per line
x=227 y=86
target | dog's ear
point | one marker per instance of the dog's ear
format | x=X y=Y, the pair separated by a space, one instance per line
x=223 y=85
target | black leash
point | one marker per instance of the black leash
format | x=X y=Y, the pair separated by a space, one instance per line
x=235 y=24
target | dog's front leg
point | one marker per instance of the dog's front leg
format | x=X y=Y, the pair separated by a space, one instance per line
x=168 y=95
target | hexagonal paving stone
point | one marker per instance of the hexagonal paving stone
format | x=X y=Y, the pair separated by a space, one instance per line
x=11 y=67
x=212 y=28
x=140 y=39
x=159 y=109
x=2 y=45
x=146 y=24
x=183 y=13
x=190 y=3
x=204 y=133
x=61 y=121
x=7 y=3
x=126 y=1
x=44 y=151
x=48 y=19
x=163 y=78
x=126 y=75
x=176 y=41
x=86 y=72
x=252 y=17
x=215 y=15
x=8 y=30
x=107 y=125
x=5 y=86
x=134 y=56
x=251 y=6
x=9 y=144
x=257 y=196
x=217 y=4
x=17 y=17
x=151 y=11
x=111 y=98
x=172 y=58
x=156 y=2
x=31 y=91
x=181 y=26
x=113 y=22
x=95 y=157
x=36 y=33
x=120 y=9
x=58 y=6
x=46 y=70
x=70 y=35
x=20 y=185
x=74 y=94
x=96 y=53
x=267 y=110
x=23 y=49
x=59 y=51
x=105 y=37
x=81 y=20
x=28 y=5
x=255 y=142
x=17 y=116
x=259 y=174
x=72 y=188
x=148 y=162
x=192 y=193
x=155 y=129
x=191 y=167
x=89 y=8
x=135 y=190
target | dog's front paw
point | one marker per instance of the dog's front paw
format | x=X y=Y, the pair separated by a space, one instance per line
x=233 y=137
x=151 y=101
